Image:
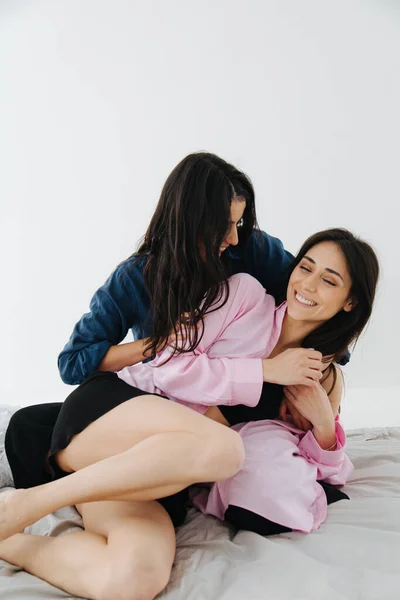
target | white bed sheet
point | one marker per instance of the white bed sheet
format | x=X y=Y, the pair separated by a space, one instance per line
x=355 y=555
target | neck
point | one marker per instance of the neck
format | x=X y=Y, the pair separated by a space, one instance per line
x=293 y=332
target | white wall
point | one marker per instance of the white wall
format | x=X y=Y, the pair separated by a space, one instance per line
x=99 y=100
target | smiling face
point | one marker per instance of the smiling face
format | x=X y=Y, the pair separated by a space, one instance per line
x=320 y=285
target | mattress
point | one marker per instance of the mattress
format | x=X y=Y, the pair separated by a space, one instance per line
x=354 y=555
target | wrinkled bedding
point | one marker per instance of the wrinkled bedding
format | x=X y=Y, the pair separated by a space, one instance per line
x=354 y=555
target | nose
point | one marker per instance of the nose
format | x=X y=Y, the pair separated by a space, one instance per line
x=232 y=238
x=310 y=283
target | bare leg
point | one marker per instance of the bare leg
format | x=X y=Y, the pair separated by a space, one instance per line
x=126 y=551
x=162 y=445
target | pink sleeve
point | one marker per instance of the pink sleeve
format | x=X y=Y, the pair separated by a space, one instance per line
x=226 y=367
x=211 y=381
x=333 y=466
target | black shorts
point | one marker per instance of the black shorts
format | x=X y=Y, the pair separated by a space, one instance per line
x=96 y=396
x=37 y=431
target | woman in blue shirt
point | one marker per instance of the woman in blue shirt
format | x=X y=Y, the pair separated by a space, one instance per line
x=205 y=202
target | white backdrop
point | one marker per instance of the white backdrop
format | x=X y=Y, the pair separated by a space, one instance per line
x=99 y=100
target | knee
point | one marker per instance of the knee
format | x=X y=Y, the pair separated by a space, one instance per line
x=223 y=455
x=236 y=451
x=25 y=421
x=21 y=418
x=134 y=581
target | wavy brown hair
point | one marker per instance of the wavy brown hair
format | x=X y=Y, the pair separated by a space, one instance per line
x=193 y=211
x=334 y=337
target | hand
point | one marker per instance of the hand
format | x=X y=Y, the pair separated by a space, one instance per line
x=312 y=402
x=293 y=366
x=287 y=408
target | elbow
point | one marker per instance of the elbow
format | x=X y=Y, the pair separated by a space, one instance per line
x=68 y=373
x=69 y=379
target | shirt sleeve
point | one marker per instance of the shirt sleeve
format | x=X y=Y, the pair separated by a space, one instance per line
x=199 y=379
x=333 y=466
x=226 y=366
x=113 y=311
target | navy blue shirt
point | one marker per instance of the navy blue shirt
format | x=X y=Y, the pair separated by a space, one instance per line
x=123 y=303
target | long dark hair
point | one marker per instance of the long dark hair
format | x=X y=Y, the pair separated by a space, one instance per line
x=334 y=337
x=181 y=278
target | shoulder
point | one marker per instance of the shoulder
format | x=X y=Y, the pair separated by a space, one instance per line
x=247 y=294
x=128 y=272
x=243 y=283
x=131 y=266
x=123 y=285
x=264 y=257
x=263 y=243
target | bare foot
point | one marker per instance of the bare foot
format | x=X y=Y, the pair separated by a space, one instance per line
x=11 y=518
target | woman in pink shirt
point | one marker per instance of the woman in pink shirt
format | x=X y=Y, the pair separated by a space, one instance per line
x=163 y=447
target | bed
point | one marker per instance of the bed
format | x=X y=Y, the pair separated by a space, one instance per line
x=354 y=555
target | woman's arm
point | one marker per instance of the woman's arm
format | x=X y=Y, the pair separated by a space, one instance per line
x=201 y=378
x=122 y=355
x=196 y=378
x=115 y=308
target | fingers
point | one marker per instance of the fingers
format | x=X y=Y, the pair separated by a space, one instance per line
x=310 y=381
x=313 y=354
x=314 y=375
x=297 y=389
x=291 y=388
x=314 y=365
x=314 y=370
x=306 y=425
x=289 y=393
x=298 y=419
x=311 y=363
x=310 y=353
x=283 y=409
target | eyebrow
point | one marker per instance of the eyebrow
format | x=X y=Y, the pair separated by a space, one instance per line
x=326 y=268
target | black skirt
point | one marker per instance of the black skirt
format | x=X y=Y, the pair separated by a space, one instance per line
x=36 y=433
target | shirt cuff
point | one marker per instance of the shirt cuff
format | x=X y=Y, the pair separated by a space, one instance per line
x=247 y=382
x=310 y=447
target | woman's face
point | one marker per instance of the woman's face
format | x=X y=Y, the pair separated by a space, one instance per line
x=319 y=286
x=231 y=238
x=238 y=205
